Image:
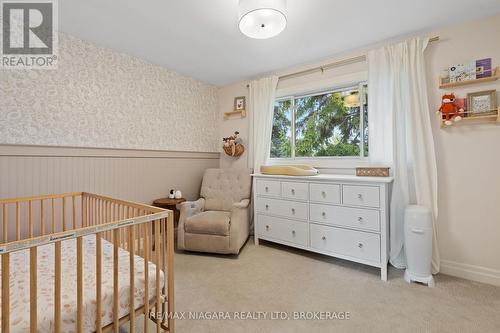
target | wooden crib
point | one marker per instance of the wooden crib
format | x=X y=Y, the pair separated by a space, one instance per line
x=119 y=252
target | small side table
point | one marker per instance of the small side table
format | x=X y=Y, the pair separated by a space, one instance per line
x=171 y=204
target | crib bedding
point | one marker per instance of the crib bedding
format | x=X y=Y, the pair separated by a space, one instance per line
x=20 y=293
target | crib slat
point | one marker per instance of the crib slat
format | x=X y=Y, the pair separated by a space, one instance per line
x=146 y=277
x=91 y=210
x=64 y=213
x=79 y=284
x=84 y=211
x=53 y=204
x=18 y=221
x=170 y=268
x=33 y=290
x=42 y=217
x=132 y=278
x=5 y=219
x=116 y=308
x=5 y=293
x=30 y=218
x=158 y=263
x=163 y=234
x=73 y=199
x=98 y=283
x=57 y=288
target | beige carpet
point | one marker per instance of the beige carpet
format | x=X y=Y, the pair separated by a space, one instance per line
x=275 y=278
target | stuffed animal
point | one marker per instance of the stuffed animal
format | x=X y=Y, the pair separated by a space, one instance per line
x=232 y=141
x=450 y=110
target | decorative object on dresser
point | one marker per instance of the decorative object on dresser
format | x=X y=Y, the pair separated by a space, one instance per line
x=233 y=145
x=342 y=216
x=372 y=172
x=218 y=222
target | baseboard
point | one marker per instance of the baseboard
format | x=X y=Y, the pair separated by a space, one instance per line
x=471 y=272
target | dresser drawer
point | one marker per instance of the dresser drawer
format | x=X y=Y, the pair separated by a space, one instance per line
x=292 y=190
x=367 y=219
x=356 y=244
x=297 y=210
x=270 y=188
x=282 y=229
x=359 y=195
x=325 y=193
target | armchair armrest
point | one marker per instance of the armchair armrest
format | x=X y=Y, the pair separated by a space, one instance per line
x=242 y=204
x=240 y=225
x=187 y=209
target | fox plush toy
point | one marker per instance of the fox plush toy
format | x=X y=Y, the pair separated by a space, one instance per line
x=450 y=110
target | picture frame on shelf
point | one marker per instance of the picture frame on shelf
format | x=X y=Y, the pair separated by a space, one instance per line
x=482 y=103
x=240 y=103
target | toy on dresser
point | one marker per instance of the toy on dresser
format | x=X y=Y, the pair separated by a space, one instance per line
x=450 y=110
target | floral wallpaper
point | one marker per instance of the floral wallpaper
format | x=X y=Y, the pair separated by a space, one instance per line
x=100 y=98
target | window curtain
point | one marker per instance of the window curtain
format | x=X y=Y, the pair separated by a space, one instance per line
x=400 y=135
x=261 y=97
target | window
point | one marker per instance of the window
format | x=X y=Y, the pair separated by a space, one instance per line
x=327 y=124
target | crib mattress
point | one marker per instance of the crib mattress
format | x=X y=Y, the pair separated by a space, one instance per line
x=20 y=293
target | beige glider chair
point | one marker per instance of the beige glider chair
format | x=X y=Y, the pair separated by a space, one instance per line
x=218 y=222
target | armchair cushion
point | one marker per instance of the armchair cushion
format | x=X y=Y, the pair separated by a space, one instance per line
x=223 y=187
x=209 y=223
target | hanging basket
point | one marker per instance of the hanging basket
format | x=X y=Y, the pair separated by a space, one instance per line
x=239 y=150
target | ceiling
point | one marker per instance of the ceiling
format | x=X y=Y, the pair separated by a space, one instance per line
x=200 y=38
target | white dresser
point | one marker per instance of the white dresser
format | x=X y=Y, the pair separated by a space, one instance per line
x=338 y=215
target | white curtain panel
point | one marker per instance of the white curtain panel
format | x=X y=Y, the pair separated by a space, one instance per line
x=261 y=98
x=401 y=136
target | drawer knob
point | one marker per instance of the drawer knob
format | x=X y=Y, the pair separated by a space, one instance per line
x=293 y=232
x=360 y=196
x=267 y=189
x=293 y=210
x=323 y=214
x=267 y=227
x=323 y=193
x=323 y=238
x=360 y=219
x=293 y=191
x=360 y=245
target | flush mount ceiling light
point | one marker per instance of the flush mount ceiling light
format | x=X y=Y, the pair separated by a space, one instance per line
x=262 y=19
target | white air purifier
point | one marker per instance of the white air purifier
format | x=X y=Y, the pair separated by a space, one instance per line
x=418 y=244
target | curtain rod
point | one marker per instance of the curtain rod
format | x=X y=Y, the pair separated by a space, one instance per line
x=339 y=63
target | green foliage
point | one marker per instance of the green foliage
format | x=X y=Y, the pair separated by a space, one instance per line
x=324 y=127
x=280 y=140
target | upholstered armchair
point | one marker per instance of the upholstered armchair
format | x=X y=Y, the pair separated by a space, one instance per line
x=218 y=222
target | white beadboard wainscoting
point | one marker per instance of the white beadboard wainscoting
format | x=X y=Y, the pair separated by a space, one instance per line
x=137 y=175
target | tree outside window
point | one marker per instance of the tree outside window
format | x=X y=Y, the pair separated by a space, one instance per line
x=328 y=124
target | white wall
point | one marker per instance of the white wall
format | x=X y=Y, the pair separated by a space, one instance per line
x=226 y=97
x=468 y=156
x=100 y=98
x=468 y=160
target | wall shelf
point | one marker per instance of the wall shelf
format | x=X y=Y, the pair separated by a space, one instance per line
x=490 y=118
x=242 y=113
x=494 y=77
